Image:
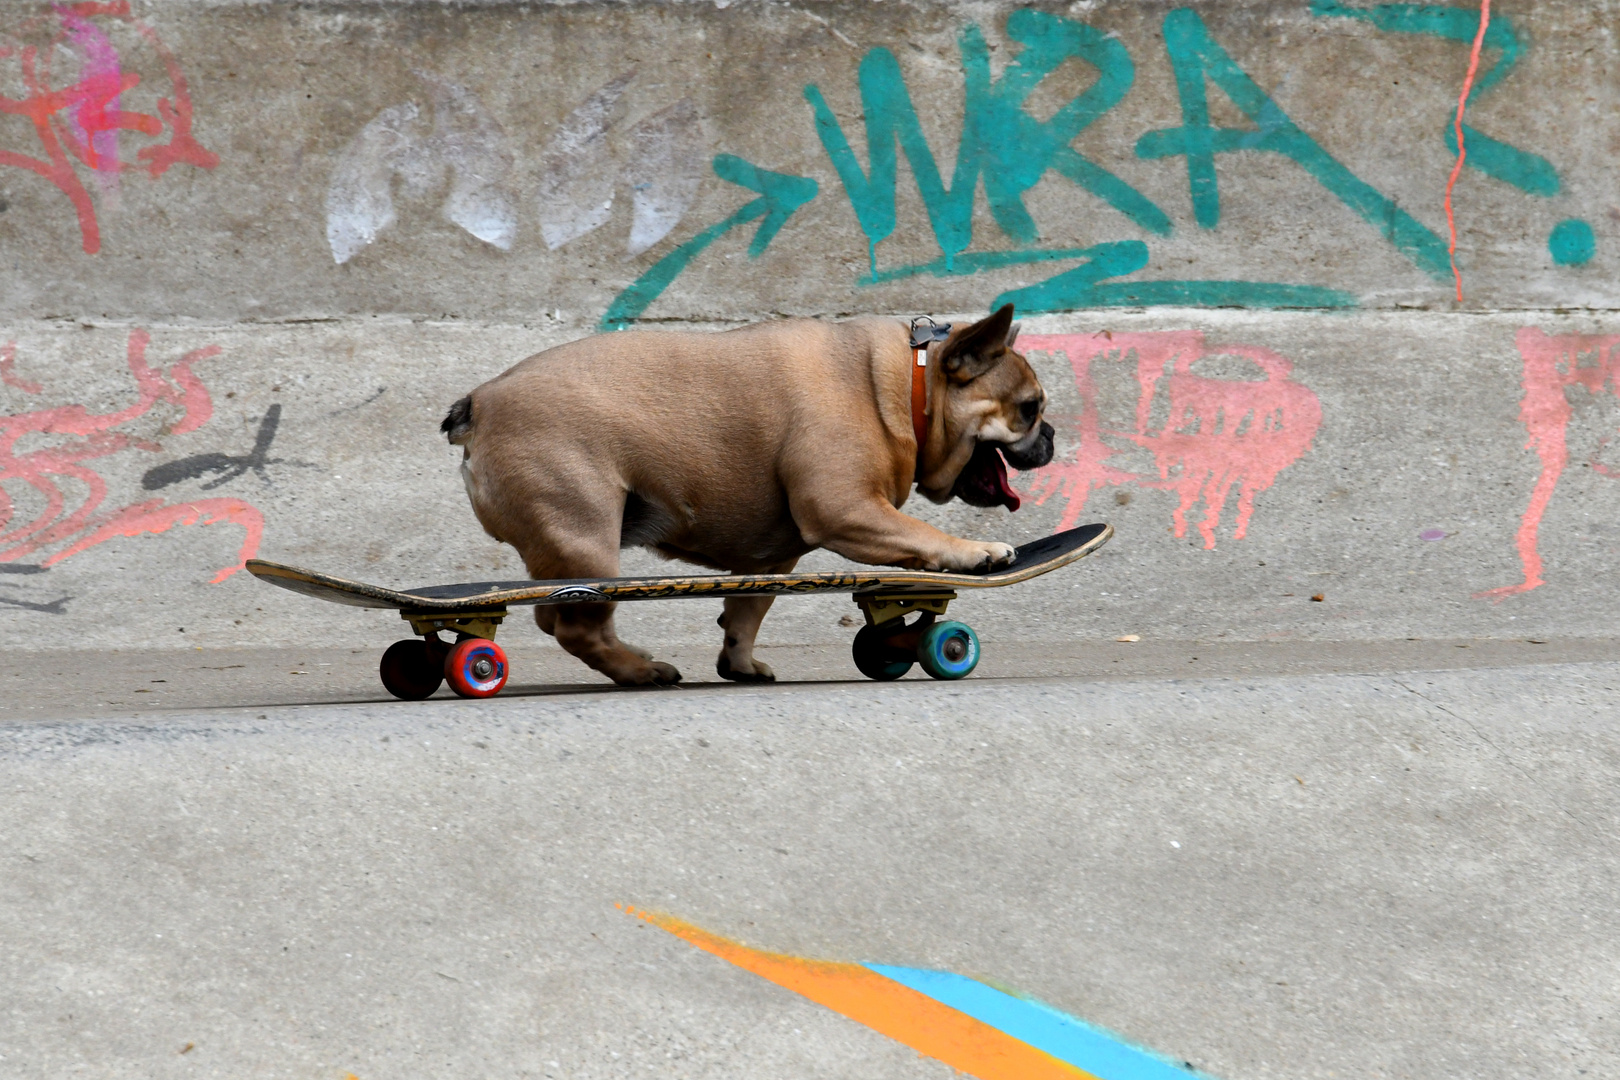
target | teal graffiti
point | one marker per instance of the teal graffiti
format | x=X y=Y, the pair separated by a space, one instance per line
x=1571 y=242
x=1085 y=286
x=1016 y=148
x=1010 y=151
x=1195 y=57
x=975 y=262
x=780 y=194
x=1002 y=142
x=1528 y=172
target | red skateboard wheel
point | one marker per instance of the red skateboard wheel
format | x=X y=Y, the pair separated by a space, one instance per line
x=475 y=668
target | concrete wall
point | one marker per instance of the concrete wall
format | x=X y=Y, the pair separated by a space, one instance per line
x=250 y=253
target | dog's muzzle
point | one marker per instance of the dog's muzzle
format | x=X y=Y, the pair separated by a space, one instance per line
x=1036 y=454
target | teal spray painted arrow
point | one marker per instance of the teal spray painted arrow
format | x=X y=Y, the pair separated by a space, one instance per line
x=780 y=194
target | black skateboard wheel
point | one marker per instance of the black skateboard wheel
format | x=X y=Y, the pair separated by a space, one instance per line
x=411 y=670
x=877 y=657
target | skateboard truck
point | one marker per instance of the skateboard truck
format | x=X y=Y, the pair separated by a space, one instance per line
x=478 y=624
x=880 y=608
x=474 y=665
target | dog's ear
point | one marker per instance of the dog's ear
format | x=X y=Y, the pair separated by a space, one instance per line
x=974 y=350
x=1012 y=335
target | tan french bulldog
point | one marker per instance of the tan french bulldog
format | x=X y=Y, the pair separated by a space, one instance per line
x=742 y=451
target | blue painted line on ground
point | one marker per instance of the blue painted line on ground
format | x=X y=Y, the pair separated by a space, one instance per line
x=1098 y=1052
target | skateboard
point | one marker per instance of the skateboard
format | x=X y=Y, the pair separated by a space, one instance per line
x=885 y=648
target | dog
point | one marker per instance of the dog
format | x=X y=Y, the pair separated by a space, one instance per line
x=742 y=451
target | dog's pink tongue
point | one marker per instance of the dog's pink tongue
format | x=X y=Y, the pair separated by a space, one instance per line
x=1008 y=495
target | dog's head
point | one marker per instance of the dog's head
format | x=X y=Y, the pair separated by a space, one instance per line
x=985 y=406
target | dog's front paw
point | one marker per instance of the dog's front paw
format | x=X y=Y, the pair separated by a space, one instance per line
x=991 y=556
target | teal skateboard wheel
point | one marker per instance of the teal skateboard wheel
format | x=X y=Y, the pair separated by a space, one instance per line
x=948 y=650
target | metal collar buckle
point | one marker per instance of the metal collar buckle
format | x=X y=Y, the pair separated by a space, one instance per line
x=922 y=336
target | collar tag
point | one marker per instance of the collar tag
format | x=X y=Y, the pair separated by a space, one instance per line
x=925 y=330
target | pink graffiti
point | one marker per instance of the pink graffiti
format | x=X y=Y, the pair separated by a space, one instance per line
x=1219 y=433
x=1088 y=470
x=95 y=114
x=81 y=436
x=80 y=124
x=8 y=370
x=1550 y=365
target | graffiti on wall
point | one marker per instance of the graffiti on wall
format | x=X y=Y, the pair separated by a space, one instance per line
x=83 y=69
x=70 y=494
x=465 y=159
x=1004 y=150
x=1216 y=419
x=1557 y=368
x=227 y=466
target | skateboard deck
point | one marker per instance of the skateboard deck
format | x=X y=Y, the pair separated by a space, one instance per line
x=1033 y=559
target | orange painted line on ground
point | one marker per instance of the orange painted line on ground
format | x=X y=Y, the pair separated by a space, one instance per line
x=1462 y=150
x=918 y=1021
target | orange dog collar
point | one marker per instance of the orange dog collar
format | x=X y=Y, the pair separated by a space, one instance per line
x=919 y=399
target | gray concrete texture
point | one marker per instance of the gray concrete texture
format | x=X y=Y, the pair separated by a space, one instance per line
x=1393 y=876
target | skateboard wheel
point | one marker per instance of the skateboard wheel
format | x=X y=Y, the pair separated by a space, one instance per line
x=948 y=650
x=876 y=658
x=476 y=668
x=411 y=670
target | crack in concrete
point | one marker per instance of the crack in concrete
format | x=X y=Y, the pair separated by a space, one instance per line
x=1505 y=756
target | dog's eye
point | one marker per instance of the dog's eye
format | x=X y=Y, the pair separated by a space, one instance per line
x=1029 y=410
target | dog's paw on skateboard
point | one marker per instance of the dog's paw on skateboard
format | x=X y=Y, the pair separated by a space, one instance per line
x=988 y=556
x=759 y=671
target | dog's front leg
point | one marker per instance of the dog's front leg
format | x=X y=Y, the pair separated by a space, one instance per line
x=873 y=531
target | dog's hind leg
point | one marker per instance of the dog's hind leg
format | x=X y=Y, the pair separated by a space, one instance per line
x=586 y=630
x=545 y=617
x=740 y=620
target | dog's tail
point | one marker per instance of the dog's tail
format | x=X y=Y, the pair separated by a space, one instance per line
x=458 y=422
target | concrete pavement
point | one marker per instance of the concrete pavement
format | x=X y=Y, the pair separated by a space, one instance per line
x=77 y=685
x=1407 y=874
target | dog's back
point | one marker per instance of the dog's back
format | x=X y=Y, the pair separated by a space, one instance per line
x=684 y=442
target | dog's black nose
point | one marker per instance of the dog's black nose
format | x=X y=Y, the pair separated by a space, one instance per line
x=1035 y=456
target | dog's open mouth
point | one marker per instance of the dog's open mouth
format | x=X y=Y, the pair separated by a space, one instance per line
x=983 y=480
